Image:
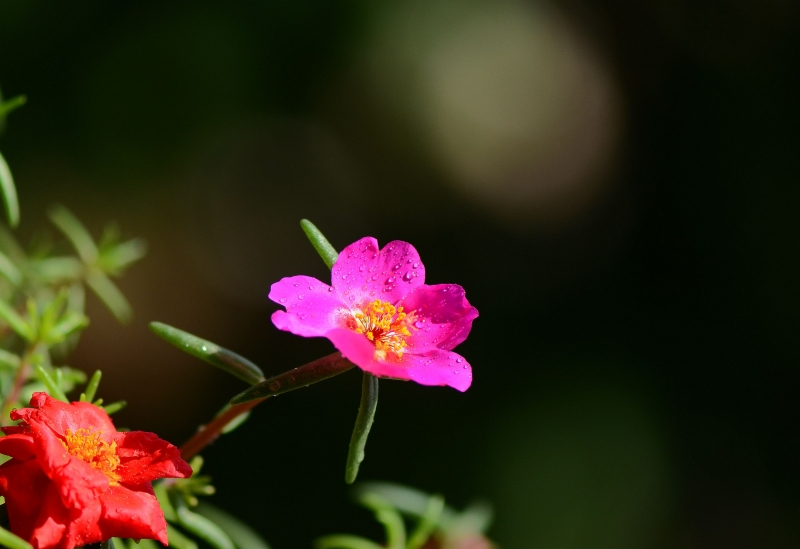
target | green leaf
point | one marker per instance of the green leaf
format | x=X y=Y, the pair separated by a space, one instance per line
x=9 y=270
x=119 y=543
x=235 y=422
x=56 y=269
x=366 y=415
x=209 y=352
x=115 y=406
x=68 y=325
x=15 y=321
x=327 y=252
x=91 y=387
x=163 y=499
x=51 y=313
x=428 y=523
x=9 y=361
x=345 y=541
x=303 y=376
x=116 y=259
x=6 y=107
x=109 y=294
x=203 y=528
x=178 y=540
x=52 y=386
x=240 y=533
x=7 y=539
x=389 y=517
x=9 y=192
x=75 y=231
x=145 y=543
x=474 y=519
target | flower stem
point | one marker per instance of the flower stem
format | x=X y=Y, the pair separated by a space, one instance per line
x=302 y=376
x=19 y=380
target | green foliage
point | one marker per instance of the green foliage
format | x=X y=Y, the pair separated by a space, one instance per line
x=432 y=519
x=366 y=415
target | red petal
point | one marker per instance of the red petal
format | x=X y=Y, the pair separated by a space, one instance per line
x=23 y=485
x=18 y=446
x=132 y=512
x=145 y=457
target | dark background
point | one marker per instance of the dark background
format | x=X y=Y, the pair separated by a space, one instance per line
x=614 y=183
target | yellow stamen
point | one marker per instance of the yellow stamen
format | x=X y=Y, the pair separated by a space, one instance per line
x=89 y=446
x=385 y=325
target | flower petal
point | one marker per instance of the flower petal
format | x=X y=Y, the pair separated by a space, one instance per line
x=20 y=446
x=357 y=349
x=363 y=273
x=312 y=308
x=23 y=485
x=145 y=457
x=132 y=512
x=60 y=416
x=441 y=317
x=439 y=368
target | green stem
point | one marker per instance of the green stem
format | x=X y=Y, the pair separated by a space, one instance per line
x=366 y=415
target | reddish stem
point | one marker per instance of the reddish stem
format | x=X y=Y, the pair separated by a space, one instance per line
x=19 y=381
x=210 y=432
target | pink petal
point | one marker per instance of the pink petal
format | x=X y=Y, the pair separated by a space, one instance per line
x=360 y=351
x=439 y=368
x=363 y=273
x=312 y=308
x=435 y=368
x=441 y=317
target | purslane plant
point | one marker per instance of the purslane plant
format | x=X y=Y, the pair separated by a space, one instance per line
x=67 y=476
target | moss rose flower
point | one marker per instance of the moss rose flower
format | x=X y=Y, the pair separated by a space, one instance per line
x=381 y=315
x=74 y=480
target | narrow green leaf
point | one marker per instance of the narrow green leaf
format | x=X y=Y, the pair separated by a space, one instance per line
x=6 y=107
x=428 y=523
x=15 y=321
x=240 y=533
x=108 y=544
x=33 y=316
x=9 y=361
x=474 y=519
x=9 y=270
x=116 y=259
x=52 y=311
x=68 y=325
x=178 y=540
x=327 y=252
x=145 y=543
x=9 y=192
x=115 y=406
x=366 y=415
x=7 y=539
x=109 y=294
x=237 y=421
x=119 y=543
x=389 y=517
x=345 y=541
x=91 y=387
x=52 y=385
x=203 y=528
x=209 y=352
x=56 y=269
x=303 y=376
x=75 y=231
x=163 y=500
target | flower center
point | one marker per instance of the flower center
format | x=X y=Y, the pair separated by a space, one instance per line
x=89 y=446
x=384 y=325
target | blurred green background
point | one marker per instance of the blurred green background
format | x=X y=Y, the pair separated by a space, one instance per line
x=615 y=184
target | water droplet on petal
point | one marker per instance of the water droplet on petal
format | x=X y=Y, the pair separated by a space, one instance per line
x=410 y=261
x=361 y=268
x=330 y=288
x=407 y=276
x=459 y=360
x=419 y=324
x=301 y=296
x=416 y=265
x=396 y=267
x=282 y=300
x=296 y=284
x=352 y=298
x=390 y=280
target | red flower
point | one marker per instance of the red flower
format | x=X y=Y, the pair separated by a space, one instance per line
x=73 y=479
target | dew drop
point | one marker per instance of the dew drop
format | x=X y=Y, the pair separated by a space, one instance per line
x=311 y=287
x=407 y=276
x=466 y=367
x=416 y=265
x=204 y=348
x=419 y=324
x=390 y=280
x=330 y=288
x=374 y=277
x=361 y=268
x=300 y=296
x=459 y=360
x=396 y=267
x=410 y=261
x=296 y=284
x=282 y=300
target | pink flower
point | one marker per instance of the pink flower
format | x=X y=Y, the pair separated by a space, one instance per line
x=381 y=315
